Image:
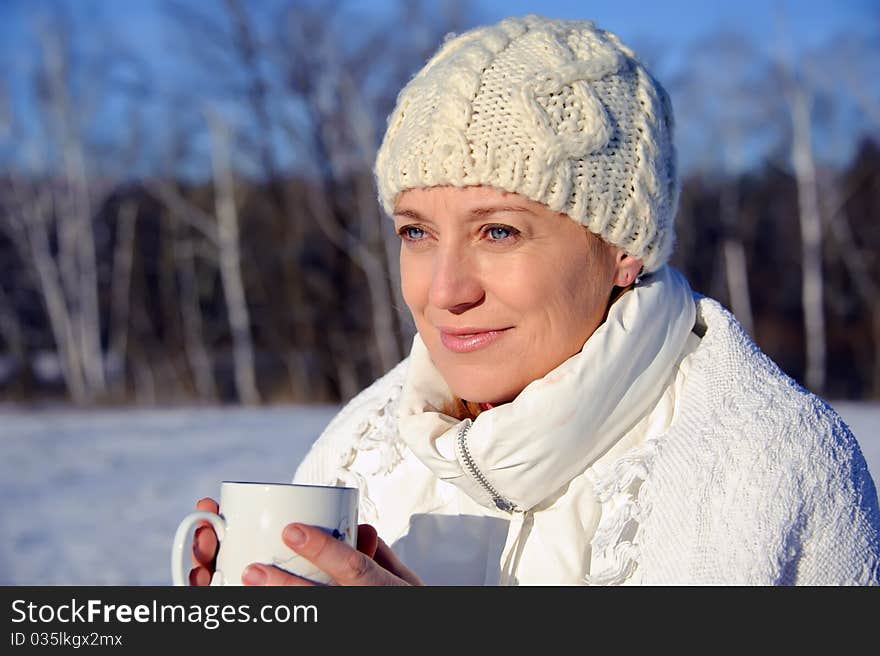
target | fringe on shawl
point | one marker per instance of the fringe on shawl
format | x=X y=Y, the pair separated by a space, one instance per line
x=620 y=490
x=376 y=434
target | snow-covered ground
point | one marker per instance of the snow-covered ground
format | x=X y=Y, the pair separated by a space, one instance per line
x=93 y=498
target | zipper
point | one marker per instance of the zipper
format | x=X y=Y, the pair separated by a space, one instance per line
x=500 y=502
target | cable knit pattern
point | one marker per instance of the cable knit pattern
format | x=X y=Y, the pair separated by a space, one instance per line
x=558 y=111
x=756 y=482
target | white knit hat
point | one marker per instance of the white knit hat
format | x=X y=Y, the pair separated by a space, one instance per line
x=558 y=111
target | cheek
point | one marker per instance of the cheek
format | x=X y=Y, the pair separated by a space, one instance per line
x=570 y=294
x=546 y=285
x=415 y=283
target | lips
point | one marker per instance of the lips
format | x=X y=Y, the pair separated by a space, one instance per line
x=466 y=340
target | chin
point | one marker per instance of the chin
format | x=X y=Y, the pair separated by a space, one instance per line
x=473 y=389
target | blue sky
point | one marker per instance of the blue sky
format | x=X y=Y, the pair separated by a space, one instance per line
x=683 y=20
x=670 y=22
x=659 y=31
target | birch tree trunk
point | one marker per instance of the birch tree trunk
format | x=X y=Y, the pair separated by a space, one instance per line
x=811 y=237
x=251 y=52
x=370 y=258
x=365 y=248
x=33 y=237
x=386 y=328
x=230 y=264
x=76 y=235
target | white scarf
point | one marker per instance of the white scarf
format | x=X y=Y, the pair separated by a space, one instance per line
x=560 y=424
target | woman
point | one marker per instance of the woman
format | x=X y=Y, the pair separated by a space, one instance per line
x=570 y=412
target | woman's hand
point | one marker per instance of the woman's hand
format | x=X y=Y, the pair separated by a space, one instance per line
x=204 y=548
x=372 y=563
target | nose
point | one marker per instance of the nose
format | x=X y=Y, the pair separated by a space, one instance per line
x=455 y=283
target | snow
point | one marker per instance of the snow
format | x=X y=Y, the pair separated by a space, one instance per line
x=94 y=498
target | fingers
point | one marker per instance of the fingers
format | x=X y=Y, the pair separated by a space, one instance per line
x=204 y=548
x=370 y=543
x=199 y=576
x=367 y=540
x=345 y=565
x=388 y=560
x=208 y=505
x=259 y=574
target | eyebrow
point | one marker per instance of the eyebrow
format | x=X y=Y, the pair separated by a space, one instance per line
x=477 y=212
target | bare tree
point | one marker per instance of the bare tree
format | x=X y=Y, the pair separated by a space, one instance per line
x=75 y=229
x=321 y=100
x=811 y=233
x=194 y=237
x=842 y=72
x=29 y=226
x=230 y=262
x=54 y=203
x=799 y=98
x=727 y=104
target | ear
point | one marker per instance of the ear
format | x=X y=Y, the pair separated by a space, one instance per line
x=627 y=268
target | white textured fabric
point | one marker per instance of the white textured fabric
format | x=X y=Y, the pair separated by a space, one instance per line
x=738 y=476
x=558 y=111
x=559 y=424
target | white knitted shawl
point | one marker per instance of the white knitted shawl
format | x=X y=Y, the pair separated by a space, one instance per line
x=757 y=482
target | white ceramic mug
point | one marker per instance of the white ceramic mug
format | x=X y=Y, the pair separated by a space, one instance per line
x=252 y=516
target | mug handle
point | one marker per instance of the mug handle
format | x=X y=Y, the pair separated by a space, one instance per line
x=178 y=573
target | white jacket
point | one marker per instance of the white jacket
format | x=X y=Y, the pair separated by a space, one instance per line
x=739 y=477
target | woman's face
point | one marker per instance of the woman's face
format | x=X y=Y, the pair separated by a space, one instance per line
x=501 y=288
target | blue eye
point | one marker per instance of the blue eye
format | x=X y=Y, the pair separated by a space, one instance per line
x=412 y=233
x=499 y=233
